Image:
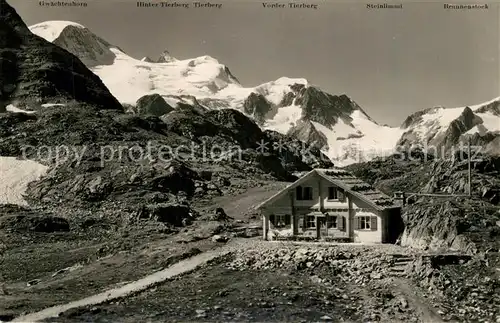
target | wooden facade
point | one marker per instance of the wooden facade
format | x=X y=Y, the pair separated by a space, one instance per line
x=316 y=207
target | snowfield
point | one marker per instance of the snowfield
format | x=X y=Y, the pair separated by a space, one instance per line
x=16 y=175
x=348 y=146
x=129 y=79
x=285 y=118
x=12 y=108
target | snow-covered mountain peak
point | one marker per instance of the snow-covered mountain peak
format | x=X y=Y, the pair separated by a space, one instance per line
x=443 y=128
x=51 y=30
x=128 y=78
x=290 y=81
x=165 y=57
x=78 y=40
x=440 y=116
x=205 y=59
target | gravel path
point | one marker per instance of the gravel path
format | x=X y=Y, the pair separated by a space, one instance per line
x=426 y=311
x=136 y=286
x=183 y=267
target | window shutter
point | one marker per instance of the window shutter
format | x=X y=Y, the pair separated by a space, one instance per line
x=309 y=193
x=304 y=221
x=341 y=195
x=340 y=222
x=298 y=192
x=288 y=219
x=271 y=219
x=356 y=223
x=373 y=224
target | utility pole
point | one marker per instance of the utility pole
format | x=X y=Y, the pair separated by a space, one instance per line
x=469 y=190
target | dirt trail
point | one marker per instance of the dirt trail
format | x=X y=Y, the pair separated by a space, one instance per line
x=427 y=313
x=242 y=205
x=136 y=286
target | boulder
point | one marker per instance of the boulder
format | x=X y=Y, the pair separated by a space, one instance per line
x=152 y=104
x=219 y=238
x=220 y=215
x=175 y=214
x=34 y=223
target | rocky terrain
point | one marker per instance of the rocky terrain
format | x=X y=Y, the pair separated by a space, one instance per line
x=442 y=216
x=466 y=290
x=269 y=282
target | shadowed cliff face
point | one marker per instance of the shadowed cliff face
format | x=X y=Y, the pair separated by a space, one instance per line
x=305 y=131
x=459 y=126
x=321 y=107
x=89 y=48
x=36 y=71
x=257 y=106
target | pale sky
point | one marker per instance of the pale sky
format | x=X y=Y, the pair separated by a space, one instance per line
x=392 y=62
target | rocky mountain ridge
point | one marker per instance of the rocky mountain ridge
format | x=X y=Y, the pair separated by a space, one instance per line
x=443 y=129
x=334 y=123
x=278 y=105
x=165 y=57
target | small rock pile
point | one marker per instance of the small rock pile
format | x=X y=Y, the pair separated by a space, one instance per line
x=359 y=265
x=218 y=215
x=465 y=291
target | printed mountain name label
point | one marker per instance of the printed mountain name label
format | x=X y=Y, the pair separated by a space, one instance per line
x=62 y=3
x=466 y=6
x=207 y=5
x=142 y=4
x=384 y=6
x=289 y=5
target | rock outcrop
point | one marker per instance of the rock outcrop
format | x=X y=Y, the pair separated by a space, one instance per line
x=307 y=132
x=447 y=219
x=259 y=108
x=165 y=57
x=153 y=104
x=322 y=107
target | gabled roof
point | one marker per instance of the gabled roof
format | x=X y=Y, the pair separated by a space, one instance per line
x=348 y=182
x=286 y=189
